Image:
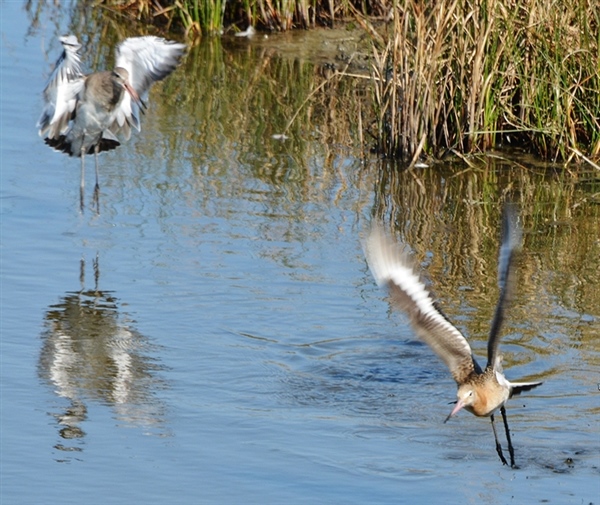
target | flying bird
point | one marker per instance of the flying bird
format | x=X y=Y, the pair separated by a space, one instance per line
x=87 y=114
x=481 y=392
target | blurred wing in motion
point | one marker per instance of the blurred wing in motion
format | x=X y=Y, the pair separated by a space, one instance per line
x=392 y=268
x=147 y=60
x=509 y=248
x=62 y=90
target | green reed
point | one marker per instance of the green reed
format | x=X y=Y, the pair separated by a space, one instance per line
x=206 y=17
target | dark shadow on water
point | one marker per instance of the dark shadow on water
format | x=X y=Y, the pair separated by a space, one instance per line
x=92 y=354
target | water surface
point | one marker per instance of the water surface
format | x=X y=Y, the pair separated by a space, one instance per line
x=214 y=335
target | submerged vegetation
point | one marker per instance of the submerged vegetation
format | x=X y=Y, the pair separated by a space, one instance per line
x=446 y=76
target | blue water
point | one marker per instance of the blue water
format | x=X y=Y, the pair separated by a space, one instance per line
x=210 y=337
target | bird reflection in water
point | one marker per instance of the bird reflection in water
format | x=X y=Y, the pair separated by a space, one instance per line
x=92 y=354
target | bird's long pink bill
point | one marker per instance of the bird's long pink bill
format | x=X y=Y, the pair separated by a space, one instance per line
x=459 y=405
x=135 y=97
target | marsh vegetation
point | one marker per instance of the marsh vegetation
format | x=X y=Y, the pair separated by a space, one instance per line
x=443 y=78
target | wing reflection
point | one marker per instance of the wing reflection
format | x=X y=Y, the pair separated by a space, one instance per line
x=92 y=354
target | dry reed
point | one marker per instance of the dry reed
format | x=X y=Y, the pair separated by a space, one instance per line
x=470 y=75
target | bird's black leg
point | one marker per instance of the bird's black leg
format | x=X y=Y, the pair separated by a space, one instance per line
x=97 y=186
x=498 y=446
x=511 y=450
x=82 y=182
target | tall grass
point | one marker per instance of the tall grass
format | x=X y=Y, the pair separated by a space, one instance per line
x=469 y=75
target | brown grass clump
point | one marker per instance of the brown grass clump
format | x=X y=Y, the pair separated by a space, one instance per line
x=469 y=75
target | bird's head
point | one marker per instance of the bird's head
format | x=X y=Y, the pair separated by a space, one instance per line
x=121 y=77
x=466 y=396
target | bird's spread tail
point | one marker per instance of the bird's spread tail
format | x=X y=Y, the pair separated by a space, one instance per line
x=64 y=146
x=518 y=387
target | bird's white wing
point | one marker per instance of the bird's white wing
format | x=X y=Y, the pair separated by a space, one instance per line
x=392 y=268
x=62 y=90
x=147 y=59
